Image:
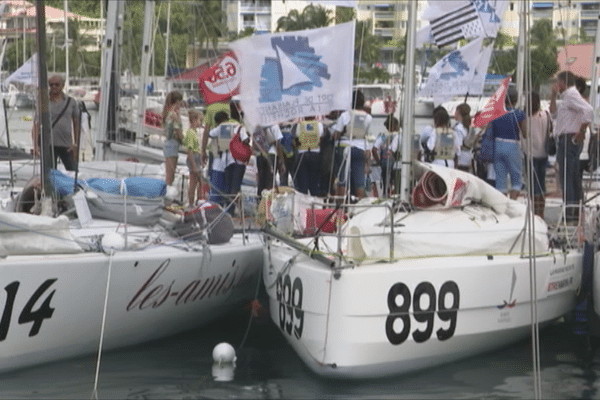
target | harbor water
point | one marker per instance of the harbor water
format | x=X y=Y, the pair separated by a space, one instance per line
x=181 y=367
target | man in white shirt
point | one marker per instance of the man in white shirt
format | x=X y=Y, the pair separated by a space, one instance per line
x=571 y=120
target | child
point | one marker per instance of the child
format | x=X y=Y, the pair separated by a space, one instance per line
x=194 y=160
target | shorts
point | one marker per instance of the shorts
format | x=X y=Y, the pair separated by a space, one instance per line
x=171 y=148
x=198 y=159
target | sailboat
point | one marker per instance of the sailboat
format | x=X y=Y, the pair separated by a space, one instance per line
x=112 y=269
x=449 y=270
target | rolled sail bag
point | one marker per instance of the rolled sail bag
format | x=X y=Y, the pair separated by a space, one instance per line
x=206 y=216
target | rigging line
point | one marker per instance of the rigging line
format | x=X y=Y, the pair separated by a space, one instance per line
x=252 y=314
x=214 y=51
x=530 y=221
x=102 y=329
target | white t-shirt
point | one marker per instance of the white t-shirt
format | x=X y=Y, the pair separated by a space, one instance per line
x=276 y=132
x=394 y=142
x=226 y=159
x=464 y=156
x=427 y=132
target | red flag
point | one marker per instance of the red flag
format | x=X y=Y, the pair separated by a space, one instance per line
x=494 y=108
x=222 y=80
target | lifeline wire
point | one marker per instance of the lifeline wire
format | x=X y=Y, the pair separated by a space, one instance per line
x=95 y=391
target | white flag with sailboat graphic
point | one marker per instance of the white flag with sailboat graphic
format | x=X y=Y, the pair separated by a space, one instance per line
x=296 y=74
x=459 y=72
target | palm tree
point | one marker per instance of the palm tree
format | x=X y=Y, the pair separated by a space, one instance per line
x=311 y=17
x=294 y=21
x=212 y=25
x=317 y=16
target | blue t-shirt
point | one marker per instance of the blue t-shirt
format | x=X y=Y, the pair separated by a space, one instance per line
x=507 y=126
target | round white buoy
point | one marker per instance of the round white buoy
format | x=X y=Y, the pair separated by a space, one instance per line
x=112 y=241
x=224 y=353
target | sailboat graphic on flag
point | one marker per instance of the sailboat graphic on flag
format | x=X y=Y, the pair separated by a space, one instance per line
x=295 y=74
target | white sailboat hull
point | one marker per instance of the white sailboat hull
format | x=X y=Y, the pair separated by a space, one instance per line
x=51 y=306
x=368 y=322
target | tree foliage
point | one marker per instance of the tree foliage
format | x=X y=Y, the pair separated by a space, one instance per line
x=310 y=18
x=344 y=14
x=86 y=8
x=544 y=51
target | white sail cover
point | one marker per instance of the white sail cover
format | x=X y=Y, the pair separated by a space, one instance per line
x=471 y=218
x=27 y=234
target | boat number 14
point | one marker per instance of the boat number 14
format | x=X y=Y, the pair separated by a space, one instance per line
x=28 y=314
x=399 y=302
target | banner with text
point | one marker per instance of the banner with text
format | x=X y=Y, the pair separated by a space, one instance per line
x=221 y=81
x=296 y=74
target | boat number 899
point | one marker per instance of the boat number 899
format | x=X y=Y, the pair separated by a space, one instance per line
x=289 y=296
x=399 y=303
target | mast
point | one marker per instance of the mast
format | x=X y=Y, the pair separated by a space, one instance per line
x=523 y=15
x=46 y=157
x=146 y=49
x=66 y=46
x=409 y=106
x=167 y=45
x=107 y=89
x=594 y=82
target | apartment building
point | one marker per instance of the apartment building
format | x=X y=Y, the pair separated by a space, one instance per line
x=262 y=15
x=570 y=17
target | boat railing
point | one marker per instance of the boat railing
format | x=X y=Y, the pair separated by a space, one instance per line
x=326 y=218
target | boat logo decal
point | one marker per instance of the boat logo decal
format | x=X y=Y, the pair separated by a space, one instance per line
x=28 y=314
x=289 y=297
x=510 y=303
x=561 y=278
x=454 y=66
x=295 y=68
x=402 y=312
x=155 y=291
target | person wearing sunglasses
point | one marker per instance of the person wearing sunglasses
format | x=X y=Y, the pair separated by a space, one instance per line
x=64 y=117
